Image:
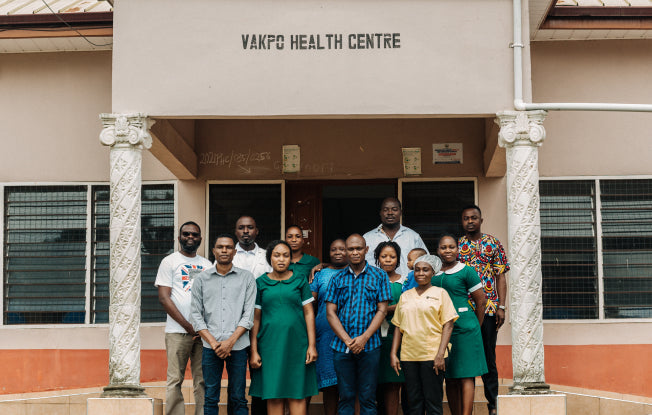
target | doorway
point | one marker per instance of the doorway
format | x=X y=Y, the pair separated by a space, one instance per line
x=331 y=209
x=327 y=210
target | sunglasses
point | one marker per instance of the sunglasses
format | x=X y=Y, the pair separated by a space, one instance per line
x=194 y=234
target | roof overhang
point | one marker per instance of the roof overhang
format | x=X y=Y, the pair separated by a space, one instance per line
x=72 y=26
x=577 y=20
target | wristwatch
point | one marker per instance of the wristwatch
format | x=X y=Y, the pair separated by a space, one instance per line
x=502 y=307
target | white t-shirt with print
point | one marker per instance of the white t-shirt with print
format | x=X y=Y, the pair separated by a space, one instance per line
x=178 y=271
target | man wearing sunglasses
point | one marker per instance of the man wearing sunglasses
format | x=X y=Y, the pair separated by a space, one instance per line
x=182 y=343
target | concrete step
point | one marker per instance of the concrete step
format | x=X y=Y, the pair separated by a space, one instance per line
x=316 y=408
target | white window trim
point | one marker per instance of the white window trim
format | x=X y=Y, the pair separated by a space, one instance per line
x=598 y=217
x=207 y=196
x=89 y=185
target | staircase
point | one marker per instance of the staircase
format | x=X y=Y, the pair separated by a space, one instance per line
x=73 y=402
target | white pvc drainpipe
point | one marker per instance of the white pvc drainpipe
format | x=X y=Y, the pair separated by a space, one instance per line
x=517 y=45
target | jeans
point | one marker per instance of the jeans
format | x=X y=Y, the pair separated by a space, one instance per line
x=424 y=387
x=236 y=368
x=357 y=375
x=490 y=379
x=179 y=348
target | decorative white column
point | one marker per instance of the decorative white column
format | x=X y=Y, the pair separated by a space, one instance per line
x=127 y=135
x=521 y=133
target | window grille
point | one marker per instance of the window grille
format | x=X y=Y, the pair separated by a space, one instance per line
x=45 y=254
x=434 y=208
x=627 y=247
x=569 y=252
x=227 y=202
x=157 y=241
x=596 y=248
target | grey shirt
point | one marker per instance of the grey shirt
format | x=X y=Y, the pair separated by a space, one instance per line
x=221 y=303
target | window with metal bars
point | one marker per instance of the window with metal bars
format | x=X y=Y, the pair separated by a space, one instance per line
x=45 y=252
x=596 y=238
x=157 y=241
x=432 y=208
x=627 y=247
x=569 y=249
x=227 y=202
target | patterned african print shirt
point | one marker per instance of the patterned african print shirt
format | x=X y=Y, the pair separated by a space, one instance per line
x=487 y=257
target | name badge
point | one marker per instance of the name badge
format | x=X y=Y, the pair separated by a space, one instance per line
x=463 y=309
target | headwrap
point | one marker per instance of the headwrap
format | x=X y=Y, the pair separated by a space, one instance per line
x=431 y=260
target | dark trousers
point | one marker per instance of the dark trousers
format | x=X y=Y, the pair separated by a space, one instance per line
x=490 y=379
x=236 y=368
x=357 y=375
x=424 y=388
x=258 y=406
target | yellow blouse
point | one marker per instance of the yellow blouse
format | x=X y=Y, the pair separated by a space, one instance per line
x=420 y=319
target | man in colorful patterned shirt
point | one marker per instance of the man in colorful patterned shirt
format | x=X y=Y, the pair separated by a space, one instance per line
x=485 y=253
x=356 y=305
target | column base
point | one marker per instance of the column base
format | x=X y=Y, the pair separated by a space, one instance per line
x=124 y=405
x=548 y=404
x=124 y=390
x=529 y=388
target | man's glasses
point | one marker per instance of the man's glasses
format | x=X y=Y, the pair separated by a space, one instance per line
x=193 y=234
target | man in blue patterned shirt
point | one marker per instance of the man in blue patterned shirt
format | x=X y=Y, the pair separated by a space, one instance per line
x=357 y=300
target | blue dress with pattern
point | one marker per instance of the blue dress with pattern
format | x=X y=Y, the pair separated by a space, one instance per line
x=325 y=370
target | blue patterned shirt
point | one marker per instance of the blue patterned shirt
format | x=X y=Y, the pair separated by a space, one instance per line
x=357 y=301
x=409 y=283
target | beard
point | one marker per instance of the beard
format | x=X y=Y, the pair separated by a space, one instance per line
x=190 y=248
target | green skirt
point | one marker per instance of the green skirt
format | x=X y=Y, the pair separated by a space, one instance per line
x=466 y=357
x=386 y=372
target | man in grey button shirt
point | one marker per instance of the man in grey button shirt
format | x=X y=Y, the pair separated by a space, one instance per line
x=222 y=308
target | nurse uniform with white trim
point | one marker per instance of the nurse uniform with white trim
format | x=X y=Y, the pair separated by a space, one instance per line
x=466 y=358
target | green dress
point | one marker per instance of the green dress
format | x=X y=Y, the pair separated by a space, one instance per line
x=466 y=358
x=283 y=340
x=386 y=373
x=303 y=266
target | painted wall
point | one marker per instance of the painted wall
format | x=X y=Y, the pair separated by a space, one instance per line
x=52 y=102
x=585 y=354
x=575 y=356
x=50 y=105
x=594 y=143
x=333 y=149
x=453 y=57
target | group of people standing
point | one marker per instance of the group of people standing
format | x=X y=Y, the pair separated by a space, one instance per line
x=382 y=322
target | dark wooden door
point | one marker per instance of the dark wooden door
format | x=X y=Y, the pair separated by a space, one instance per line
x=303 y=207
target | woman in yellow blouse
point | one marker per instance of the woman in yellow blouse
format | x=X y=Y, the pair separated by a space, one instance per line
x=424 y=318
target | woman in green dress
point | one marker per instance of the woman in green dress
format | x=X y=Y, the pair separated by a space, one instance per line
x=283 y=345
x=388 y=257
x=301 y=264
x=466 y=359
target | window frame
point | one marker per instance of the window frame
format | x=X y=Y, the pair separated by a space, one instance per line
x=88 y=251
x=599 y=248
x=207 y=246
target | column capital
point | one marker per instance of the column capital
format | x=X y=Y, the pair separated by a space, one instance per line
x=521 y=128
x=126 y=130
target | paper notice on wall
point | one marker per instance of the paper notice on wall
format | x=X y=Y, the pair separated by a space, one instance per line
x=291 y=159
x=412 y=161
x=447 y=153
